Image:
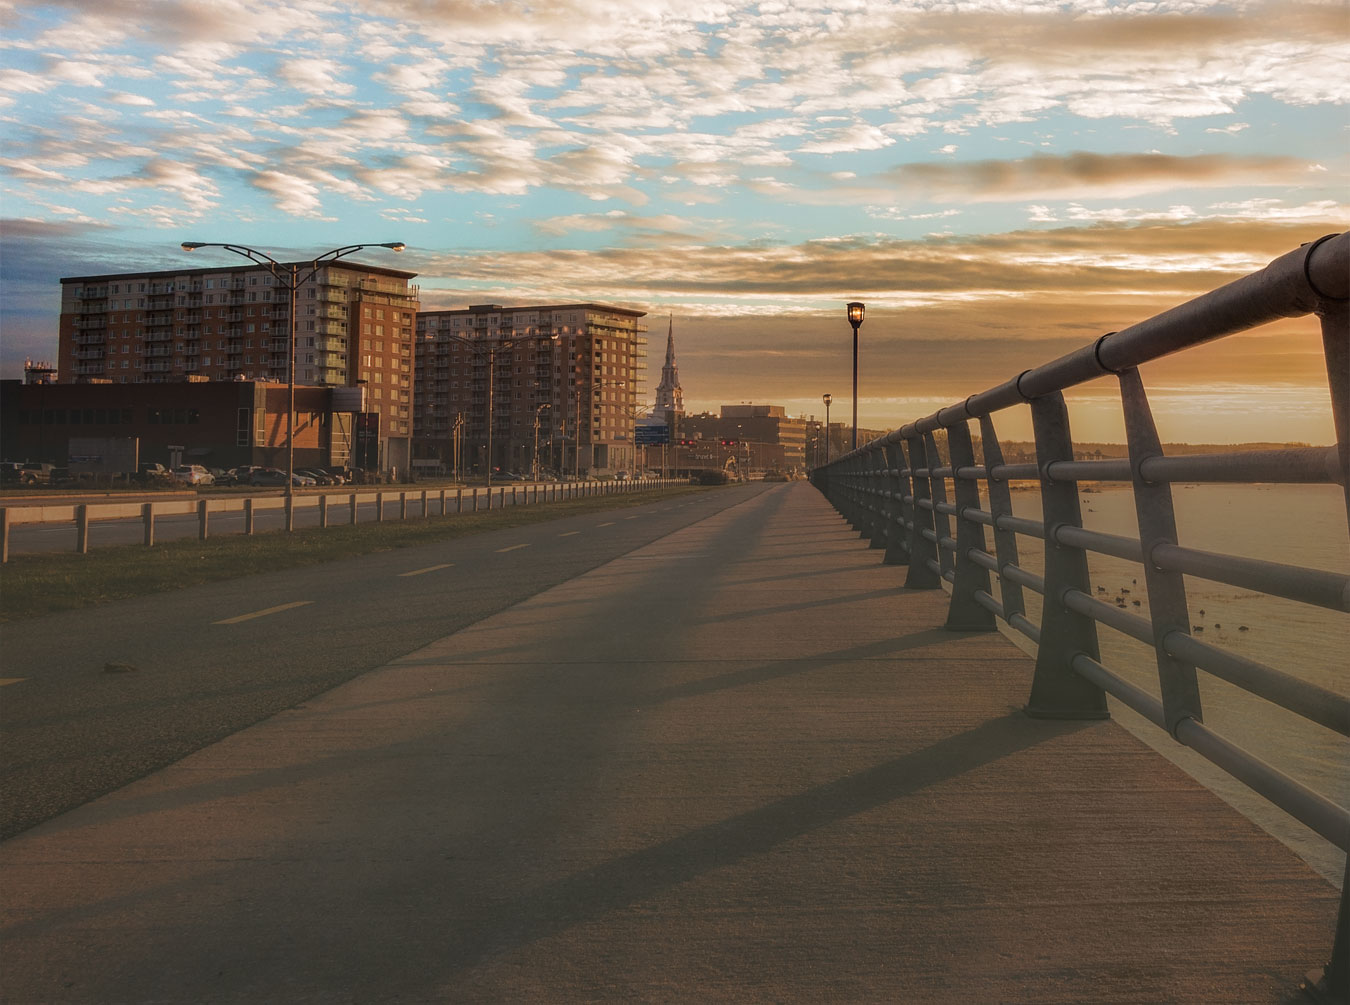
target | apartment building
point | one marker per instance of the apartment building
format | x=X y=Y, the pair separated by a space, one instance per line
x=354 y=326
x=578 y=369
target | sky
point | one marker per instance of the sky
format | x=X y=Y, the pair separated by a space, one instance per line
x=1000 y=181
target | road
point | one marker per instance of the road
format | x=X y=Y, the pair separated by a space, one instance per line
x=96 y=698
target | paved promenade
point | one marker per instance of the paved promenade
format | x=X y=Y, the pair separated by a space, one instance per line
x=737 y=764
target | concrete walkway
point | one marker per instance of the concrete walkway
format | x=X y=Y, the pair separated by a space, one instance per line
x=739 y=764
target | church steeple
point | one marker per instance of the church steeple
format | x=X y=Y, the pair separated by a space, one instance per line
x=669 y=394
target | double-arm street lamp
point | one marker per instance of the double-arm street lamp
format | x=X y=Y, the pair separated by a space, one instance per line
x=536 y=437
x=855 y=318
x=489 y=353
x=288 y=278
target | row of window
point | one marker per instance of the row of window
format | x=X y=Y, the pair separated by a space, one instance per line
x=105 y=416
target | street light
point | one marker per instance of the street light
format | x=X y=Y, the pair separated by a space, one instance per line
x=536 y=437
x=490 y=354
x=280 y=273
x=855 y=318
x=827 y=398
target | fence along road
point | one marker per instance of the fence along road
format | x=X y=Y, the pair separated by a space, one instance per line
x=53 y=525
x=903 y=490
x=737 y=763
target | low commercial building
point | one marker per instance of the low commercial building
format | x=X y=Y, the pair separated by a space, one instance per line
x=219 y=424
x=771 y=439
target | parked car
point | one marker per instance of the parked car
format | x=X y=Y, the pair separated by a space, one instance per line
x=193 y=474
x=152 y=471
x=25 y=473
x=320 y=476
x=297 y=478
x=267 y=476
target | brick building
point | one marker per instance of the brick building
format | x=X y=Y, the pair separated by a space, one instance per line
x=219 y=424
x=354 y=325
x=756 y=426
x=578 y=367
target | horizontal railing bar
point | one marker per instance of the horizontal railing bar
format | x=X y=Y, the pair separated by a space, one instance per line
x=947 y=543
x=1315 y=703
x=978 y=516
x=985 y=600
x=924 y=504
x=1015 y=473
x=948 y=508
x=1016 y=574
x=1094 y=540
x=1032 y=528
x=971 y=472
x=1122 y=621
x=1024 y=625
x=930 y=535
x=983 y=558
x=950 y=576
x=1300 y=802
x=1297 y=465
x=1113 y=470
x=1309 y=586
x=931 y=564
x=1135 y=697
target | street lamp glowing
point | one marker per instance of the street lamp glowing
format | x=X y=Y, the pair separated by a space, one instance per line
x=855 y=318
x=827 y=398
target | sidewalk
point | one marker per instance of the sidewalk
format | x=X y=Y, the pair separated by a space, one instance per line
x=739 y=764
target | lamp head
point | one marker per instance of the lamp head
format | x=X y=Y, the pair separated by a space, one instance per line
x=827 y=398
x=394 y=246
x=192 y=245
x=855 y=313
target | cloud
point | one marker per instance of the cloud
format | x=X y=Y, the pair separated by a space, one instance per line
x=1050 y=176
x=315 y=76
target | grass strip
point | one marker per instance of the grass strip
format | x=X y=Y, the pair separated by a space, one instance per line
x=34 y=585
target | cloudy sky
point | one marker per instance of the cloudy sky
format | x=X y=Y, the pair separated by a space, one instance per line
x=999 y=180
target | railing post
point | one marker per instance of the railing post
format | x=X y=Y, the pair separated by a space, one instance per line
x=459 y=500
x=1167 y=607
x=475 y=500
x=1336 y=347
x=1000 y=504
x=4 y=535
x=489 y=498
x=897 y=538
x=922 y=548
x=248 y=518
x=290 y=513
x=351 y=506
x=1057 y=692
x=425 y=511
x=403 y=505
x=323 y=512
x=379 y=507
x=203 y=527
x=442 y=502
x=938 y=488
x=876 y=497
x=148 y=523
x=965 y=613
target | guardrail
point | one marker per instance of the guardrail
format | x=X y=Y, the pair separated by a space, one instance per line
x=424 y=503
x=901 y=493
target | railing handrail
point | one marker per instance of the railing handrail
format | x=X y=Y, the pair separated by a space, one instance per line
x=895 y=490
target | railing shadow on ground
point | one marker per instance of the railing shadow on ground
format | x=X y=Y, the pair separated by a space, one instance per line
x=902 y=490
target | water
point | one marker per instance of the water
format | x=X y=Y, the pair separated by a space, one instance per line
x=1301 y=525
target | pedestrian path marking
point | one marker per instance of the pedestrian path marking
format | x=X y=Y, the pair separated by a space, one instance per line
x=630 y=518
x=512 y=548
x=262 y=614
x=570 y=533
x=11 y=680
x=429 y=568
x=610 y=524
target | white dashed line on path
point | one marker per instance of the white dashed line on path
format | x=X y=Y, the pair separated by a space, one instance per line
x=262 y=614
x=429 y=568
x=512 y=548
x=570 y=533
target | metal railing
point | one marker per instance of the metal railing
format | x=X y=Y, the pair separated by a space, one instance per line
x=331 y=508
x=903 y=490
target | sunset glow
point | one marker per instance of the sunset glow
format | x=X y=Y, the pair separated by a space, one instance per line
x=999 y=182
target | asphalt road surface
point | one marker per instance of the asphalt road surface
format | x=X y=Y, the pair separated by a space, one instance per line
x=92 y=699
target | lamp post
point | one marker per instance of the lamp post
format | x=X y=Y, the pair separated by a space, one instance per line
x=855 y=318
x=536 y=437
x=288 y=278
x=827 y=398
x=490 y=354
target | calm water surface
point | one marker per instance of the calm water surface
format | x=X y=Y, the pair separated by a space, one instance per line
x=1294 y=525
